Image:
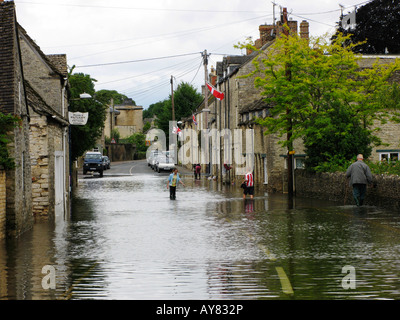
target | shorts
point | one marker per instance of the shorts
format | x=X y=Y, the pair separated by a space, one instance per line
x=249 y=190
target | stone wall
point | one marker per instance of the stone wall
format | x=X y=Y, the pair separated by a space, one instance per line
x=121 y=152
x=335 y=187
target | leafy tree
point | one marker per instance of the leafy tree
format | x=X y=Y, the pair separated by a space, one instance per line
x=139 y=139
x=317 y=92
x=146 y=127
x=153 y=109
x=84 y=137
x=186 y=100
x=7 y=123
x=377 y=26
x=104 y=96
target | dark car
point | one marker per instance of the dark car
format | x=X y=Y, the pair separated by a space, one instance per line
x=106 y=162
x=93 y=162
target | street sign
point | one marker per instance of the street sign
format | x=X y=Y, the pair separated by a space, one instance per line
x=113 y=140
x=148 y=143
x=78 y=118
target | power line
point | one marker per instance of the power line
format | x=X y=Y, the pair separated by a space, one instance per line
x=134 y=61
x=137 y=8
x=178 y=34
x=183 y=69
x=143 y=74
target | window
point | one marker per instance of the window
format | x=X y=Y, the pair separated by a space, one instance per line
x=300 y=163
x=391 y=155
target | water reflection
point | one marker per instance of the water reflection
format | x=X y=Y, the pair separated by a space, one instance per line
x=127 y=240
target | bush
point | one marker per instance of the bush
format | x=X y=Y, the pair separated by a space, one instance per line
x=385 y=167
x=7 y=123
x=341 y=165
x=334 y=164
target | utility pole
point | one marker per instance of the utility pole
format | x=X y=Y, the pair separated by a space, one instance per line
x=205 y=62
x=172 y=99
x=112 y=130
x=206 y=110
x=289 y=119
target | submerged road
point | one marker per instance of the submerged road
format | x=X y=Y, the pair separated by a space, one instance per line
x=127 y=240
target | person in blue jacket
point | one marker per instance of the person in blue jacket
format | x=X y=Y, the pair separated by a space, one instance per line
x=172 y=182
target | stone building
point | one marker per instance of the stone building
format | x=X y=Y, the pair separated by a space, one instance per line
x=13 y=100
x=47 y=89
x=240 y=143
x=241 y=105
x=128 y=119
x=389 y=132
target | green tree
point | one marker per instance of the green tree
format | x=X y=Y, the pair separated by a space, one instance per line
x=84 y=138
x=138 y=139
x=153 y=109
x=318 y=92
x=377 y=27
x=7 y=123
x=104 y=96
x=186 y=100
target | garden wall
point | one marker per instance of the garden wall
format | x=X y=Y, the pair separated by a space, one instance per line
x=335 y=187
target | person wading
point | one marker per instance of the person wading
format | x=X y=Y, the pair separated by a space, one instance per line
x=360 y=175
x=172 y=182
x=249 y=182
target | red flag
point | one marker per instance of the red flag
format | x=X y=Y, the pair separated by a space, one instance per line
x=215 y=92
x=176 y=130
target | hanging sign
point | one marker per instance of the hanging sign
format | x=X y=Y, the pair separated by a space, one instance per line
x=78 y=118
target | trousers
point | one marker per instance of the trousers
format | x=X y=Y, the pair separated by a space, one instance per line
x=172 y=192
x=359 y=191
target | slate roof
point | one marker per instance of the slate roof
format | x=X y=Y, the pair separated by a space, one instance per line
x=7 y=56
x=40 y=106
x=55 y=62
x=255 y=105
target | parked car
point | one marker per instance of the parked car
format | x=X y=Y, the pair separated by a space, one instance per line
x=164 y=163
x=106 y=162
x=93 y=162
x=151 y=158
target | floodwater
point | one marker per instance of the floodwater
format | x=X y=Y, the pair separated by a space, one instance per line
x=127 y=240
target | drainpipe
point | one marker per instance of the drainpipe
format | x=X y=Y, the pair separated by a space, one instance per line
x=64 y=142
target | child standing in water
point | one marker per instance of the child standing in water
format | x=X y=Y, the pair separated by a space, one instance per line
x=172 y=182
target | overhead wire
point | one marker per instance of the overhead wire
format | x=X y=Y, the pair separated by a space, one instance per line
x=178 y=34
x=137 y=8
x=167 y=71
x=184 y=69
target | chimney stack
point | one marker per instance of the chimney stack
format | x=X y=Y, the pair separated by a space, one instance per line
x=304 y=34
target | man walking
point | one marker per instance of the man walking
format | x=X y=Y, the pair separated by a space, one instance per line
x=359 y=174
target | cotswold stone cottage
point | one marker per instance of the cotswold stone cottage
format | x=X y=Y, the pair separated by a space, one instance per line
x=47 y=89
x=13 y=100
x=242 y=103
x=34 y=87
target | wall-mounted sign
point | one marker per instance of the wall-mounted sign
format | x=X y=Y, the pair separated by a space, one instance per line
x=78 y=118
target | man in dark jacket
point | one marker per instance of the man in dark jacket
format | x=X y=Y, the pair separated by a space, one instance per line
x=359 y=174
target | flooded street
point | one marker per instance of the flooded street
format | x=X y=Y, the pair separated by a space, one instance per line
x=127 y=240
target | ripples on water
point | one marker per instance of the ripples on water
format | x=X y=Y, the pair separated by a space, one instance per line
x=127 y=240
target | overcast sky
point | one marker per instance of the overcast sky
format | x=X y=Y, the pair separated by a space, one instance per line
x=168 y=34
